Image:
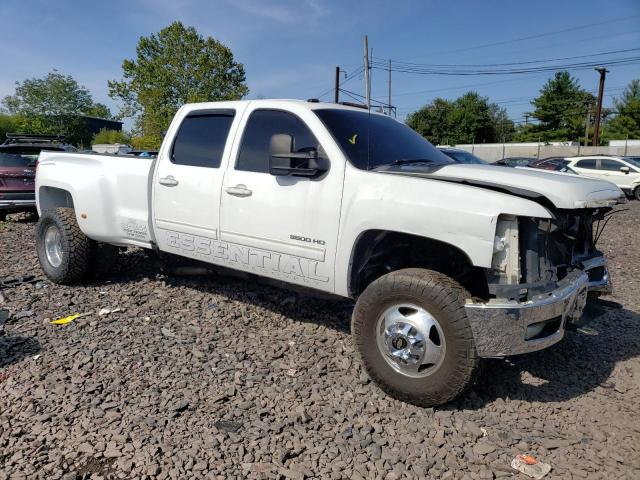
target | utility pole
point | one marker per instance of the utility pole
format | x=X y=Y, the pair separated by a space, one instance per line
x=367 y=83
x=336 y=95
x=587 y=121
x=389 y=100
x=526 y=119
x=596 y=134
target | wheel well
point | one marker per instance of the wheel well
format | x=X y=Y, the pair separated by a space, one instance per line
x=378 y=252
x=52 y=197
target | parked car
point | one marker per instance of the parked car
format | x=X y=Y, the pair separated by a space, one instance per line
x=18 y=158
x=555 y=164
x=623 y=171
x=461 y=156
x=515 y=161
x=449 y=263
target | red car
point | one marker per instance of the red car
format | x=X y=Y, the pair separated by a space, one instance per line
x=18 y=159
x=556 y=164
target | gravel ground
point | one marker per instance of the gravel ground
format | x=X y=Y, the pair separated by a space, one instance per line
x=217 y=377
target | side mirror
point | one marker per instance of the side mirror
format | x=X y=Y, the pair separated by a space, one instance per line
x=625 y=170
x=284 y=161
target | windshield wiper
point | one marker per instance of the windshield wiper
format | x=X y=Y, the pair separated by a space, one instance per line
x=404 y=161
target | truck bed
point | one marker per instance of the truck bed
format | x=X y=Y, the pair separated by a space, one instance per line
x=112 y=190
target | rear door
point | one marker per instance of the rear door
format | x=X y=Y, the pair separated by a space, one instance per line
x=188 y=179
x=587 y=167
x=284 y=227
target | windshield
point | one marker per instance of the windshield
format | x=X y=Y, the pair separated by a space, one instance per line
x=370 y=141
x=18 y=159
x=635 y=161
x=461 y=156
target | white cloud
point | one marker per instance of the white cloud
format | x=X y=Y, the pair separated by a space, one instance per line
x=298 y=11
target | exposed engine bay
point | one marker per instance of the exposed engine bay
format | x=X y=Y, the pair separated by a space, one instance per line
x=532 y=255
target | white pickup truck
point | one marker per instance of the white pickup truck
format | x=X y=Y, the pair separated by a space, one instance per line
x=449 y=263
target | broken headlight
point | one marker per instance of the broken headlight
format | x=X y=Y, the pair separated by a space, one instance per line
x=505 y=262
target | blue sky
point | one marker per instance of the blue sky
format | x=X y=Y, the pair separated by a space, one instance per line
x=290 y=48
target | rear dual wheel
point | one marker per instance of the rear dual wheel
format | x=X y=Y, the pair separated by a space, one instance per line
x=66 y=254
x=413 y=336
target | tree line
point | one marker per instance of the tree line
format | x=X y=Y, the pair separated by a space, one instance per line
x=177 y=65
x=559 y=114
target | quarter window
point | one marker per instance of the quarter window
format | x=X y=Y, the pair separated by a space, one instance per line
x=262 y=124
x=201 y=140
x=610 y=165
x=588 y=163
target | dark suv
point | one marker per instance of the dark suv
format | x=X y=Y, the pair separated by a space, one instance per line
x=18 y=159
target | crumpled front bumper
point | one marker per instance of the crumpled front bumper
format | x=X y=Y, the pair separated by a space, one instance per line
x=598 y=271
x=511 y=328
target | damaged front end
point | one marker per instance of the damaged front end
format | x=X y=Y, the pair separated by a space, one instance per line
x=541 y=273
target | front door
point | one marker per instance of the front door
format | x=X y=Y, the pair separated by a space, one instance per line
x=610 y=170
x=284 y=227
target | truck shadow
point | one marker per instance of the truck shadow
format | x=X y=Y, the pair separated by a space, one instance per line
x=16 y=349
x=583 y=361
x=292 y=301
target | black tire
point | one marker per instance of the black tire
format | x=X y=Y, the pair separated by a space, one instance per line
x=76 y=251
x=444 y=299
x=636 y=193
x=3 y=216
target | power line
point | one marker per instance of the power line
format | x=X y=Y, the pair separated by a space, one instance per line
x=351 y=76
x=486 y=65
x=532 y=37
x=514 y=71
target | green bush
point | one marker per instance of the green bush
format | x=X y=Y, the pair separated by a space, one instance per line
x=110 y=136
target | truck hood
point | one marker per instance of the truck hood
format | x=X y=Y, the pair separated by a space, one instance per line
x=560 y=190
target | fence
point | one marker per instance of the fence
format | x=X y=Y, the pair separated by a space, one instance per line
x=492 y=152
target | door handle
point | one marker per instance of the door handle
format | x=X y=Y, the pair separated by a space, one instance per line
x=168 y=181
x=239 y=190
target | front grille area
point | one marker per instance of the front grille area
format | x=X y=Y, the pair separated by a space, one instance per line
x=550 y=249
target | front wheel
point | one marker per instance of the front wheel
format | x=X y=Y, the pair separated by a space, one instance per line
x=636 y=193
x=412 y=333
x=63 y=250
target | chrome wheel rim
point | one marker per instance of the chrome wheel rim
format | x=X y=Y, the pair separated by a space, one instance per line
x=411 y=340
x=53 y=246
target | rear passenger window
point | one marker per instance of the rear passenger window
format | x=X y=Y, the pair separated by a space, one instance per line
x=254 y=150
x=201 y=139
x=589 y=163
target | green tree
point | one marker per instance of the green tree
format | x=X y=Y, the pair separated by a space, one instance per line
x=110 y=136
x=100 y=110
x=8 y=124
x=146 y=143
x=432 y=120
x=626 y=124
x=172 y=67
x=51 y=105
x=560 y=108
x=470 y=118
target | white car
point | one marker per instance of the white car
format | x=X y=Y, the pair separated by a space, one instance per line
x=449 y=263
x=623 y=171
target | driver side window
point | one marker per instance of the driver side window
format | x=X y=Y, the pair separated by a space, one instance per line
x=261 y=126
